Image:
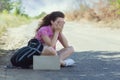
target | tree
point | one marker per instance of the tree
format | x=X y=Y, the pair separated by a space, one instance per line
x=5 y=5
x=16 y=5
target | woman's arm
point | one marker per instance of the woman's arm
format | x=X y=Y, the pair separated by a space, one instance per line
x=63 y=40
x=57 y=28
x=51 y=42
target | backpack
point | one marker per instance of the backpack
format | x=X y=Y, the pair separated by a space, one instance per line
x=23 y=57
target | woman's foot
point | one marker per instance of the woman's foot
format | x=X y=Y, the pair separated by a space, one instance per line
x=69 y=62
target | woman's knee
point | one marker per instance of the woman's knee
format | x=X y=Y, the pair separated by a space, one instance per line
x=48 y=51
x=71 y=49
x=51 y=51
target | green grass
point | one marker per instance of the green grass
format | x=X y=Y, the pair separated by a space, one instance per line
x=9 y=20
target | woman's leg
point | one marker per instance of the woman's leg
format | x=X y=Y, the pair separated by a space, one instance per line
x=49 y=51
x=65 y=52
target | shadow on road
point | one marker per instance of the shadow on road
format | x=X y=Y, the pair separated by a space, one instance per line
x=90 y=65
x=5 y=56
x=97 y=65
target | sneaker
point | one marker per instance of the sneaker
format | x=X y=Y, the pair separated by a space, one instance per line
x=69 y=62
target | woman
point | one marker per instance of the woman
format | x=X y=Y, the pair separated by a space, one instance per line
x=49 y=31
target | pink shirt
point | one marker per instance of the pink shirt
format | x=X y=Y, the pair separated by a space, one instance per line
x=45 y=30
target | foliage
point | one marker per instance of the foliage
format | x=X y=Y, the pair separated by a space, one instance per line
x=17 y=7
x=5 y=4
x=116 y=5
x=14 y=7
x=40 y=15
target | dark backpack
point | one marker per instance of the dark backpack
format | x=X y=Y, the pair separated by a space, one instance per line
x=23 y=57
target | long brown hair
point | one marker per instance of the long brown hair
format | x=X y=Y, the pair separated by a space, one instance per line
x=50 y=17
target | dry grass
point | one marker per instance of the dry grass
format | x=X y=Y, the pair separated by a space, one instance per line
x=106 y=13
x=78 y=14
x=7 y=20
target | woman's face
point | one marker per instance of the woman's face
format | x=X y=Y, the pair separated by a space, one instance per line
x=59 y=20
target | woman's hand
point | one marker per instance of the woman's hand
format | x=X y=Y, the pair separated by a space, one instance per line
x=59 y=26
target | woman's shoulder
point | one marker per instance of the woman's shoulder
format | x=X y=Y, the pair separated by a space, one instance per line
x=44 y=28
